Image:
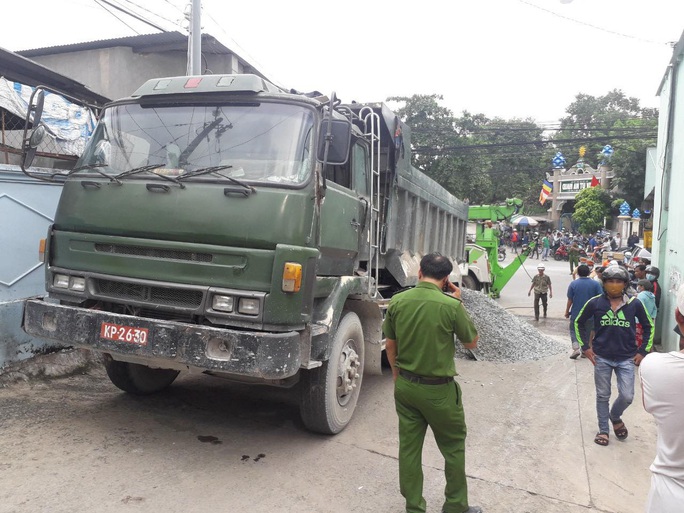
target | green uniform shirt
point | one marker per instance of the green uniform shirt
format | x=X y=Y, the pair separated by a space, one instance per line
x=423 y=321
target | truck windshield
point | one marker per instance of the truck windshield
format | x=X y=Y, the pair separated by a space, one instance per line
x=259 y=142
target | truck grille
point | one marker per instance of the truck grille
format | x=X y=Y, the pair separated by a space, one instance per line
x=181 y=298
x=166 y=254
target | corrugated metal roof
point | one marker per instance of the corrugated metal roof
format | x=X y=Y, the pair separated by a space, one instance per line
x=20 y=69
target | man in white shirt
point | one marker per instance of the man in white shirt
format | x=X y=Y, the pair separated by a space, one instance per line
x=662 y=384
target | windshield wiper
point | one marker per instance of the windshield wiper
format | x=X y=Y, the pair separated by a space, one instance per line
x=94 y=167
x=215 y=170
x=147 y=169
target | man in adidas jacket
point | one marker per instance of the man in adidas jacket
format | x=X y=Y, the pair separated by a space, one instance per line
x=613 y=348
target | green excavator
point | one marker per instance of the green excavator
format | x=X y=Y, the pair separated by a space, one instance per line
x=484 y=272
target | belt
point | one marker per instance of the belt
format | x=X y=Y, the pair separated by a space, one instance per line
x=422 y=380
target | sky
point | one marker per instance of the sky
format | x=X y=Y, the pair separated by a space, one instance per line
x=503 y=58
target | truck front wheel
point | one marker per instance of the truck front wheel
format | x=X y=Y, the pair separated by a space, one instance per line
x=330 y=392
x=469 y=282
x=138 y=379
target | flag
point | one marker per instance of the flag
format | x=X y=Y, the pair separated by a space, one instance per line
x=545 y=192
x=594 y=181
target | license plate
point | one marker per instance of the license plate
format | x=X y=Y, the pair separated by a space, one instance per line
x=120 y=333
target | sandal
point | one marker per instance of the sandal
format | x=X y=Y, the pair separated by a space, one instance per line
x=601 y=439
x=620 y=430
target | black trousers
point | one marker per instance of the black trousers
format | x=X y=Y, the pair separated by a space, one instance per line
x=544 y=300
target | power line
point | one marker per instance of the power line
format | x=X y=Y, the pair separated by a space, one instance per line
x=150 y=12
x=132 y=15
x=592 y=26
x=527 y=143
x=110 y=12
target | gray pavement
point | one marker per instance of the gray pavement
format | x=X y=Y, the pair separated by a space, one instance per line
x=77 y=444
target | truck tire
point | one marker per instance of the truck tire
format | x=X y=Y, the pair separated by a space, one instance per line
x=469 y=282
x=138 y=379
x=330 y=392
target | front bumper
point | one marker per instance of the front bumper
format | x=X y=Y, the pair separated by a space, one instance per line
x=169 y=344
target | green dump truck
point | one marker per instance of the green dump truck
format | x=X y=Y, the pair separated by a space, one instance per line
x=220 y=224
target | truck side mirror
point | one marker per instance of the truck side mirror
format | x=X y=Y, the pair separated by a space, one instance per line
x=36 y=135
x=334 y=140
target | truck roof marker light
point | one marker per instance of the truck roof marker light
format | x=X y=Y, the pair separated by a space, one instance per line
x=41 y=250
x=292 y=277
x=225 y=81
x=192 y=83
x=162 y=84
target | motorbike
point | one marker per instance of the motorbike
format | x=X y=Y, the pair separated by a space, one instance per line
x=562 y=253
x=502 y=254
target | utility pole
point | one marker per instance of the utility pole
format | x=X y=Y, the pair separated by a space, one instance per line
x=195 y=39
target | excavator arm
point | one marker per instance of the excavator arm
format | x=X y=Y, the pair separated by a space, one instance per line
x=487 y=237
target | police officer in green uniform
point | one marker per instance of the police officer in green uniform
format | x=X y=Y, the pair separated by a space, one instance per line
x=419 y=328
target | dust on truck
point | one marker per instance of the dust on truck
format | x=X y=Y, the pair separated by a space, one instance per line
x=221 y=225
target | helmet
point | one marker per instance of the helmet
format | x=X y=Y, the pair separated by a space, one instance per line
x=652 y=269
x=615 y=272
x=541 y=266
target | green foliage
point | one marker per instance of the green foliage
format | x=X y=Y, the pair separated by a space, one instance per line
x=461 y=152
x=592 y=205
x=488 y=160
x=617 y=120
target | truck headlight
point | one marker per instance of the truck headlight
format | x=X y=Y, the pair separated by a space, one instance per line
x=60 y=281
x=77 y=283
x=248 y=306
x=223 y=303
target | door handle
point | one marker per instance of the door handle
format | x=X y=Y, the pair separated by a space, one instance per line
x=355 y=224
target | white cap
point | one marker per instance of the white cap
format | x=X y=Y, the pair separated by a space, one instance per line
x=541 y=266
x=613 y=262
x=680 y=299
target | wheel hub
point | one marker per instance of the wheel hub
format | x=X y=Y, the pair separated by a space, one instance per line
x=348 y=373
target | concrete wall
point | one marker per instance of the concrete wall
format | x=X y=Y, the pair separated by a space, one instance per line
x=117 y=72
x=27 y=208
x=668 y=211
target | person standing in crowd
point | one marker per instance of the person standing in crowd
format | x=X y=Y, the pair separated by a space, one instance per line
x=662 y=382
x=573 y=256
x=639 y=272
x=597 y=274
x=419 y=327
x=647 y=298
x=546 y=247
x=652 y=275
x=535 y=249
x=613 y=348
x=514 y=240
x=632 y=241
x=580 y=291
x=541 y=284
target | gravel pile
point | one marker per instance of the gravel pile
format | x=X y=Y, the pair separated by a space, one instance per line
x=503 y=336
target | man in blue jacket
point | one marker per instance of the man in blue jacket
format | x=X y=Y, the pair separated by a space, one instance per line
x=580 y=291
x=613 y=347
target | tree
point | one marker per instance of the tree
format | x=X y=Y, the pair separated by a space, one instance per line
x=617 y=120
x=591 y=206
x=474 y=157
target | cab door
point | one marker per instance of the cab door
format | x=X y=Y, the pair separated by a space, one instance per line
x=345 y=215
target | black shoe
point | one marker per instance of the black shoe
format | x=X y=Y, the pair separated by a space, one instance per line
x=544 y=314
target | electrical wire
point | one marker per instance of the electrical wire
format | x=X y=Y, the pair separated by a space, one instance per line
x=110 y=12
x=593 y=26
